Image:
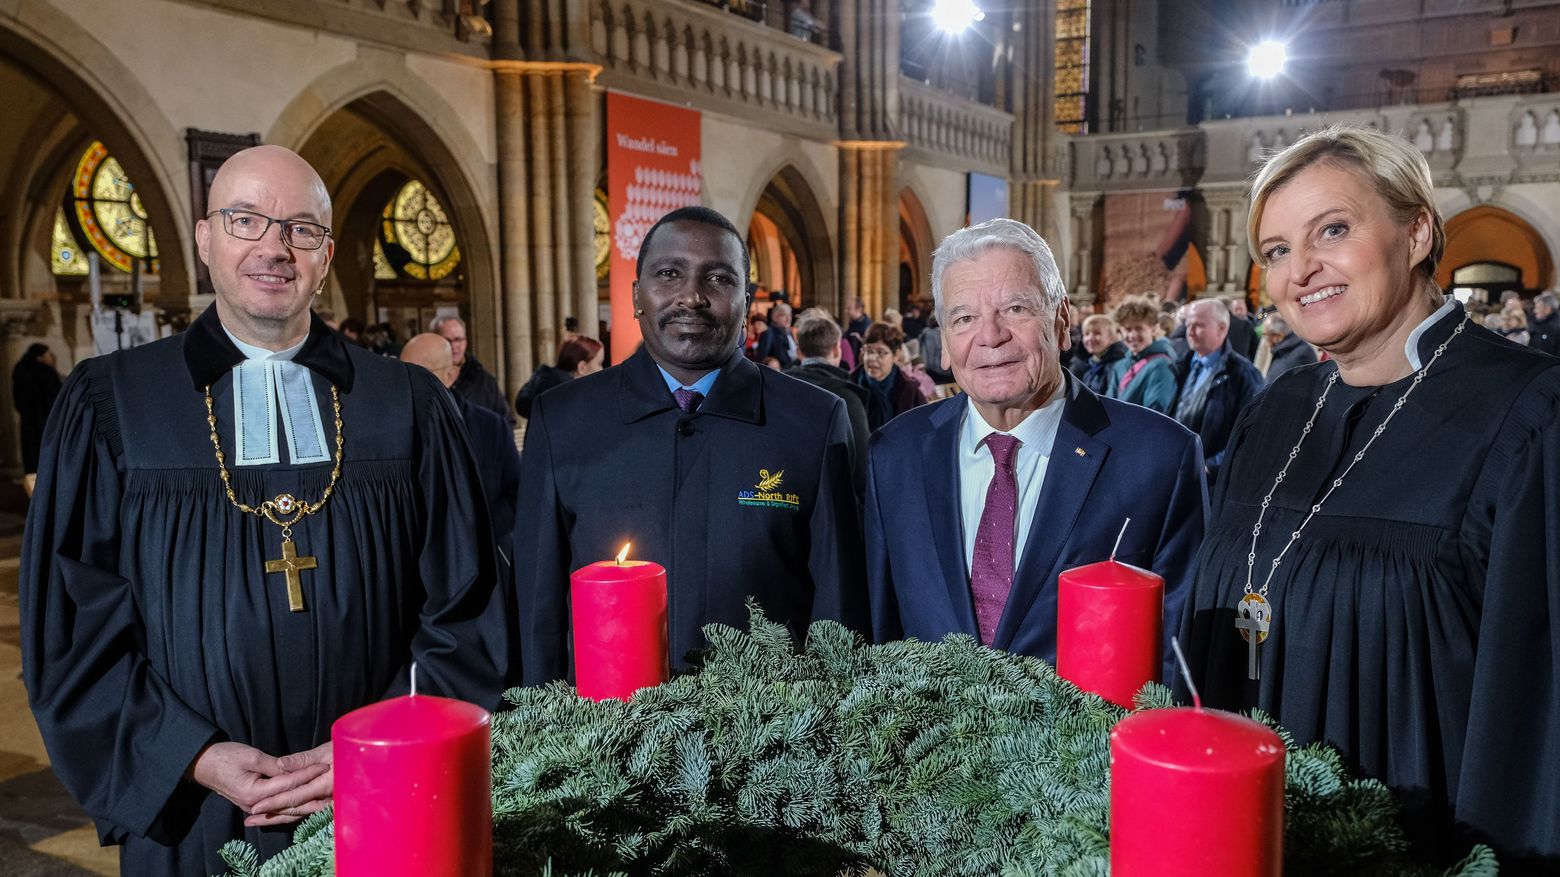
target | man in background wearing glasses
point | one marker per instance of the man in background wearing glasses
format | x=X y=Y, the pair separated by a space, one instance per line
x=239 y=534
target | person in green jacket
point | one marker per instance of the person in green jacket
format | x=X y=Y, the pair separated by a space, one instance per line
x=1150 y=379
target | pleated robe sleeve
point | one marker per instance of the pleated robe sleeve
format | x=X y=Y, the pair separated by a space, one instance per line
x=1509 y=786
x=117 y=735
x=462 y=641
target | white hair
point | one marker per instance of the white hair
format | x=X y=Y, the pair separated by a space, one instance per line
x=437 y=322
x=1219 y=310
x=967 y=244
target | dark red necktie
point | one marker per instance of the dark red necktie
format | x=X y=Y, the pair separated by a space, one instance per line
x=991 y=570
x=687 y=400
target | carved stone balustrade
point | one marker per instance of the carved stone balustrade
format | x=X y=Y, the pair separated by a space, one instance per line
x=710 y=59
x=943 y=129
x=1152 y=160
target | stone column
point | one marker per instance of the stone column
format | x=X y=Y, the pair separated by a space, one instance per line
x=869 y=173
x=1081 y=275
x=869 y=152
x=1227 y=258
x=1032 y=192
x=548 y=138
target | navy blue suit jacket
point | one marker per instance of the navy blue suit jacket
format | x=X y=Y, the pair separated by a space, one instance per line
x=1112 y=460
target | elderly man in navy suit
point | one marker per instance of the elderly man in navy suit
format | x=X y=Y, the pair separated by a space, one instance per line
x=734 y=477
x=1024 y=474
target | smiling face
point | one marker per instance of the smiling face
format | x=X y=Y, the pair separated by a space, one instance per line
x=264 y=287
x=1098 y=335
x=1001 y=339
x=1137 y=335
x=1340 y=266
x=693 y=298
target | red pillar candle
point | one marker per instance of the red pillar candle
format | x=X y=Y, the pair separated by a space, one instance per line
x=620 y=639
x=1110 y=628
x=413 y=789
x=1195 y=792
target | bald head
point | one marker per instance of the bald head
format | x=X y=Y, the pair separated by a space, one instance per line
x=271 y=166
x=265 y=239
x=432 y=352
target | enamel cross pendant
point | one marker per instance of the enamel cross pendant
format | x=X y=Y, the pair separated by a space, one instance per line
x=1253 y=618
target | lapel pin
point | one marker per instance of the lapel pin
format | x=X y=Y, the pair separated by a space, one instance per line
x=1079 y=452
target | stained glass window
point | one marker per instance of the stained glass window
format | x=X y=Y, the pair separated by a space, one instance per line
x=382 y=269
x=65 y=256
x=1072 y=66
x=109 y=212
x=602 y=220
x=416 y=227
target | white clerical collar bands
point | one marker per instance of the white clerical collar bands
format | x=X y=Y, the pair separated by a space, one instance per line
x=264 y=385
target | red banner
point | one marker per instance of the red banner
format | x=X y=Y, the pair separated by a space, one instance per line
x=652 y=169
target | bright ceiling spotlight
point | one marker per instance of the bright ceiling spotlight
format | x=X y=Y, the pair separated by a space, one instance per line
x=1267 y=58
x=955 y=16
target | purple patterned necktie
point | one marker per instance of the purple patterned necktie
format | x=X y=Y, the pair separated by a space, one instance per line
x=687 y=400
x=991 y=571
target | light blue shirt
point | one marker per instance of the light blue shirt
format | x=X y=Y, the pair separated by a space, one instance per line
x=702 y=385
x=1209 y=364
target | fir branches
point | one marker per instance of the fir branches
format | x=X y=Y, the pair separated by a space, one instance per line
x=917 y=759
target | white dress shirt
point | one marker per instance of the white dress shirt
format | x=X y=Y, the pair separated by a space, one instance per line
x=1036 y=434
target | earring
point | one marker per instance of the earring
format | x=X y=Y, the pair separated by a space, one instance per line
x=638 y=312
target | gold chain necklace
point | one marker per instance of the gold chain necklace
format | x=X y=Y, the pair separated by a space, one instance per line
x=276 y=510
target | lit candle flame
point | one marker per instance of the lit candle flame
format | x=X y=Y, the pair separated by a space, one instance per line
x=623 y=555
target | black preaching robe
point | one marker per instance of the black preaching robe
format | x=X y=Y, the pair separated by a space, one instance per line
x=610 y=459
x=149 y=627
x=1415 y=620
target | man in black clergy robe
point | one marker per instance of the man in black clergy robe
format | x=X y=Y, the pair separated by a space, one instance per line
x=734 y=477
x=184 y=660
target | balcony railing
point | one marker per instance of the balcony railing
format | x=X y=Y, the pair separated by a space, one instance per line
x=972 y=135
x=780 y=15
x=695 y=51
x=1152 y=160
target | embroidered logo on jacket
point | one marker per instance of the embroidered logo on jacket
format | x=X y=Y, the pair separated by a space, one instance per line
x=766 y=494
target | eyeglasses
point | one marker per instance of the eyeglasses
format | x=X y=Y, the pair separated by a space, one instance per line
x=247 y=225
x=875 y=350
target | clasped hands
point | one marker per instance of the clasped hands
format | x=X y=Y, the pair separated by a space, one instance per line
x=270 y=790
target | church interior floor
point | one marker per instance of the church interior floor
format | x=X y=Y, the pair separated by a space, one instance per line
x=42 y=832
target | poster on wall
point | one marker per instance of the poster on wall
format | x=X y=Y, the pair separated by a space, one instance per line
x=988 y=199
x=1148 y=247
x=652 y=169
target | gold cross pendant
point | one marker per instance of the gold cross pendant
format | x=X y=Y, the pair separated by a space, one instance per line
x=291 y=564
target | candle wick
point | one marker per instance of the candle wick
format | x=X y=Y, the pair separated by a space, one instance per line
x=1118 y=539
x=1186 y=673
x=414 y=679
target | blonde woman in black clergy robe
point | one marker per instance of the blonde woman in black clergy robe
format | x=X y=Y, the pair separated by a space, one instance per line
x=184 y=658
x=1388 y=524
